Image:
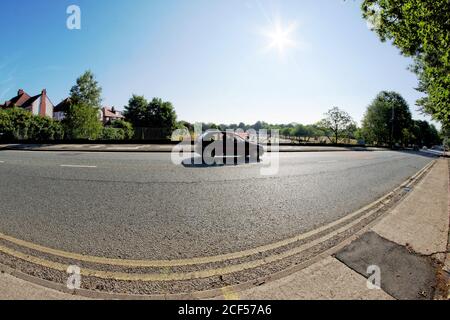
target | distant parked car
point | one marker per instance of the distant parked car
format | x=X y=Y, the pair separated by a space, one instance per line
x=233 y=145
x=438 y=148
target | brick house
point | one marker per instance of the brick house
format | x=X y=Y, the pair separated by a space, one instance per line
x=108 y=115
x=39 y=105
x=59 y=112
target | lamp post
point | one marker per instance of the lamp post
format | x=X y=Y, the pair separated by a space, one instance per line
x=392 y=129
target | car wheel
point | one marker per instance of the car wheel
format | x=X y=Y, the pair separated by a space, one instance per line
x=254 y=156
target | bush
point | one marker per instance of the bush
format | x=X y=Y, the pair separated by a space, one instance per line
x=109 y=133
x=19 y=124
x=126 y=126
x=43 y=129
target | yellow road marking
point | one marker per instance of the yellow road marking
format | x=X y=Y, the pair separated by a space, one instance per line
x=166 y=276
x=172 y=263
x=229 y=294
x=199 y=260
x=35 y=260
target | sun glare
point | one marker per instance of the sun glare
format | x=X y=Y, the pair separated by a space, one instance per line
x=280 y=38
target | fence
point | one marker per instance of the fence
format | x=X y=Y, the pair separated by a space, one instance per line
x=149 y=134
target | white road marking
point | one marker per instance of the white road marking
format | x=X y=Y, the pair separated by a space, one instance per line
x=330 y=161
x=76 y=166
x=2 y=161
x=125 y=148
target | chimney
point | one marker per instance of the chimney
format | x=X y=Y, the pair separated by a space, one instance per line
x=20 y=92
x=43 y=105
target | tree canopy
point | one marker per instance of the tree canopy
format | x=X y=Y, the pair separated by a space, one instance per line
x=154 y=114
x=424 y=134
x=386 y=118
x=82 y=122
x=338 y=122
x=86 y=92
x=421 y=30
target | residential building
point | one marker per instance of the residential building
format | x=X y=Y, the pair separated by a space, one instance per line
x=39 y=105
x=59 y=112
x=108 y=115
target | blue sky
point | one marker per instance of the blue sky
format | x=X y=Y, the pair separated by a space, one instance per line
x=210 y=58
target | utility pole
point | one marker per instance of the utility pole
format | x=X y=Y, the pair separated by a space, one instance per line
x=392 y=129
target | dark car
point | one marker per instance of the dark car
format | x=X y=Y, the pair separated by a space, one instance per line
x=232 y=145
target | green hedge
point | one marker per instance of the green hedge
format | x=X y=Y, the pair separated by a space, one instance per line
x=112 y=134
x=19 y=124
x=125 y=126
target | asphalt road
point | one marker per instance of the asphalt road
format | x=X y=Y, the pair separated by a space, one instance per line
x=142 y=206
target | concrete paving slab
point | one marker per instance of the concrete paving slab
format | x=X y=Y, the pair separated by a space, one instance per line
x=404 y=275
x=324 y=280
x=422 y=220
x=447 y=263
x=12 y=288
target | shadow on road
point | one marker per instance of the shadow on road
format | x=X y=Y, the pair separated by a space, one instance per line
x=419 y=153
x=29 y=146
x=197 y=162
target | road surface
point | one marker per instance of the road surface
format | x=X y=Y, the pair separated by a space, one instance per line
x=142 y=206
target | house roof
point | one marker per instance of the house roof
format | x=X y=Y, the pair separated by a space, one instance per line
x=22 y=100
x=19 y=100
x=109 y=113
x=30 y=101
x=63 y=105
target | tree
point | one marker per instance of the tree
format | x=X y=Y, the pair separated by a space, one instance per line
x=421 y=30
x=424 y=134
x=135 y=111
x=337 y=122
x=210 y=126
x=286 y=132
x=82 y=122
x=385 y=119
x=161 y=115
x=185 y=125
x=156 y=114
x=352 y=132
x=86 y=91
x=243 y=126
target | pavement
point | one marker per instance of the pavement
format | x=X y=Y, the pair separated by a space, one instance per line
x=13 y=288
x=340 y=275
x=410 y=260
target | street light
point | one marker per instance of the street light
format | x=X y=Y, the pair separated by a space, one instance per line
x=392 y=124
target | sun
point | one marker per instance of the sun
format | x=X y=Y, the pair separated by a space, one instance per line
x=280 y=37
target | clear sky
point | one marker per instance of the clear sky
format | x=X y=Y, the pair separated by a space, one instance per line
x=222 y=61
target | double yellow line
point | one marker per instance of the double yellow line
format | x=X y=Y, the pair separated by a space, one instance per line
x=349 y=221
x=169 y=276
